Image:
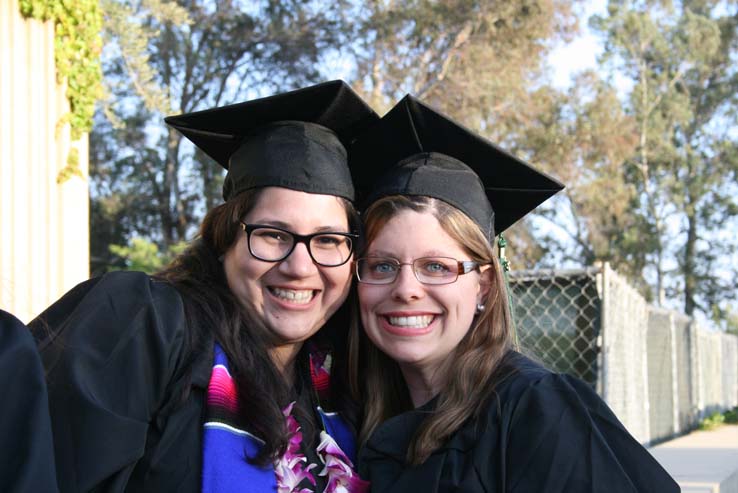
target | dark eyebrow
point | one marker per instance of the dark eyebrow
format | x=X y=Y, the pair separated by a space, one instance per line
x=267 y=222
x=288 y=227
x=330 y=229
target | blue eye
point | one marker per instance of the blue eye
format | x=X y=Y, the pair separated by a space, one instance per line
x=435 y=267
x=378 y=268
x=383 y=267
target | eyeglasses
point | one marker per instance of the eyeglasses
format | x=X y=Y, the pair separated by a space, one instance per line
x=272 y=244
x=427 y=270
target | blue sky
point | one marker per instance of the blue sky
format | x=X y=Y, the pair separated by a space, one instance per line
x=581 y=53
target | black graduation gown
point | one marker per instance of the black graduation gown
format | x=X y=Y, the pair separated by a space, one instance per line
x=26 y=451
x=544 y=432
x=113 y=349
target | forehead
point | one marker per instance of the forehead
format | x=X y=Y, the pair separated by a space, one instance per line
x=410 y=234
x=298 y=211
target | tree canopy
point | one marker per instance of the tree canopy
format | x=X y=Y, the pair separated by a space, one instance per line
x=679 y=57
x=650 y=169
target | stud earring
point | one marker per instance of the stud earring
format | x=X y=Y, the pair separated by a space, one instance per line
x=480 y=307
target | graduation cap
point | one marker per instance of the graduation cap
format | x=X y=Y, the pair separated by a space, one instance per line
x=414 y=150
x=294 y=140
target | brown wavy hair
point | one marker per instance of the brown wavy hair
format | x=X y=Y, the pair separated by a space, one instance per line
x=213 y=312
x=478 y=360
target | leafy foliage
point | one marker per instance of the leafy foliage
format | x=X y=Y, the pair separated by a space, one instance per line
x=71 y=169
x=679 y=58
x=717 y=419
x=143 y=255
x=169 y=57
x=711 y=422
x=77 y=47
x=483 y=62
x=650 y=169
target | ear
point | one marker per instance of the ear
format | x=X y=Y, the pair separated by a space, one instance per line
x=485 y=283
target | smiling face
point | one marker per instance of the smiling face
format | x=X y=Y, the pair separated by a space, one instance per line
x=294 y=297
x=418 y=325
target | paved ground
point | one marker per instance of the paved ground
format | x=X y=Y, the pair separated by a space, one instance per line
x=703 y=461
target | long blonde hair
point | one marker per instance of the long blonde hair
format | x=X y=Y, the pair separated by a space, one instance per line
x=471 y=379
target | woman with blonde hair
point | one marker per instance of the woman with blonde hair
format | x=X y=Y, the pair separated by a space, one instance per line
x=451 y=405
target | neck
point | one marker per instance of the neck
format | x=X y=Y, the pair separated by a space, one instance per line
x=284 y=358
x=423 y=382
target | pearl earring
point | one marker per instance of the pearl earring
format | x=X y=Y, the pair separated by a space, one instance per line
x=480 y=307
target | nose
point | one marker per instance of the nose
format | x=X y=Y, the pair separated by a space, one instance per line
x=407 y=287
x=298 y=263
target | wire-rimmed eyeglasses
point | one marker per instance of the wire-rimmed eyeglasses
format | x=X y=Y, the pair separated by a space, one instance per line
x=271 y=244
x=427 y=270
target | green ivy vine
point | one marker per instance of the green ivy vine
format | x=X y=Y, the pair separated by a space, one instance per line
x=77 y=48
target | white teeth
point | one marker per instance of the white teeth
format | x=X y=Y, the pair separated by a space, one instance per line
x=416 y=322
x=302 y=296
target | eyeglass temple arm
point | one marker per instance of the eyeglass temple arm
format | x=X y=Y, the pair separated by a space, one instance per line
x=467 y=266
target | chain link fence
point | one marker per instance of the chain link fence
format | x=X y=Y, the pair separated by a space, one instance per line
x=658 y=370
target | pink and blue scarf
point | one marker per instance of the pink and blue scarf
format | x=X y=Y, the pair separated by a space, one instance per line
x=227 y=448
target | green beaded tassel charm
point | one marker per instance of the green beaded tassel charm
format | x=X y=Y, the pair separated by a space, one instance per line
x=505 y=264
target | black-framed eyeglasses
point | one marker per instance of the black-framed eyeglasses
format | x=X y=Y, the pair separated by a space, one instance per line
x=427 y=270
x=271 y=244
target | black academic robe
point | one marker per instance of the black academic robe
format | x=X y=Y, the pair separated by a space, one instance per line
x=115 y=358
x=543 y=432
x=26 y=451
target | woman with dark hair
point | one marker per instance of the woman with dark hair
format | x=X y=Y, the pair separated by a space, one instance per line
x=454 y=407
x=211 y=376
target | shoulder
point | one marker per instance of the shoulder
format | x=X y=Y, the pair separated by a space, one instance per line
x=138 y=285
x=525 y=368
x=519 y=374
x=26 y=457
x=14 y=336
x=131 y=288
x=112 y=312
x=19 y=356
x=531 y=402
x=143 y=295
x=116 y=294
x=525 y=386
x=516 y=376
x=18 y=352
x=554 y=422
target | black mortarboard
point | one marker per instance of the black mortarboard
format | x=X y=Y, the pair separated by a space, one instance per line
x=295 y=140
x=414 y=150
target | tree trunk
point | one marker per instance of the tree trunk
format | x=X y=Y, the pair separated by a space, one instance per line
x=690 y=247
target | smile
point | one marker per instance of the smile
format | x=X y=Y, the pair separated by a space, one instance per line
x=297 y=296
x=408 y=324
x=414 y=322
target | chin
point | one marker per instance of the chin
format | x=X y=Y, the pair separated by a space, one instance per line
x=293 y=331
x=404 y=356
x=290 y=335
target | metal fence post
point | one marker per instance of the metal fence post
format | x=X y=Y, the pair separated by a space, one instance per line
x=657 y=369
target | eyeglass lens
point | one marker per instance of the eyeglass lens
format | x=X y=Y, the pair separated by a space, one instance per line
x=428 y=270
x=275 y=244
